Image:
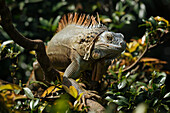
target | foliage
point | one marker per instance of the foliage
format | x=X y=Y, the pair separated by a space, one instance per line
x=145 y=83
x=142 y=86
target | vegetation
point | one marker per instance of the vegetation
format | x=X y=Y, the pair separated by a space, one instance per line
x=135 y=80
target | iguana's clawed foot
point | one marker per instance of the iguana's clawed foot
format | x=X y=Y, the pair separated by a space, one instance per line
x=81 y=102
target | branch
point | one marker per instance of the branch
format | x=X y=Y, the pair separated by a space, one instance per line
x=6 y=22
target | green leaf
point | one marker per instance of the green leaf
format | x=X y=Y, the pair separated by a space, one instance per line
x=36 y=102
x=38 y=82
x=32 y=104
x=28 y=93
x=59 y=5
x=155 y=102
x=141 y=84
x=3 y=45
x=109 y=92
x=55 y=23
x=108 y=98
x=153 y=21
x=166 y=107
x=125 y=100
x=167 y=95
x=122 y=84
x=113 y=73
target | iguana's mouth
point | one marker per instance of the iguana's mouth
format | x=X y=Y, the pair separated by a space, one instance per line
x=111 y=46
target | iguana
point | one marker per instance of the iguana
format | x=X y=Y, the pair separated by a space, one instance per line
x=83 y=43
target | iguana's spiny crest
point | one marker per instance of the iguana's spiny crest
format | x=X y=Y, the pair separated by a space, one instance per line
x=89 y=37
x=82 y=20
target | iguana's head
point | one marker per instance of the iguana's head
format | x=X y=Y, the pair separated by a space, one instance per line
x=108 y=45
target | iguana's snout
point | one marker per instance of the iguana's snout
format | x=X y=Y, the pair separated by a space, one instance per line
x=109 y=45
x=118 y=39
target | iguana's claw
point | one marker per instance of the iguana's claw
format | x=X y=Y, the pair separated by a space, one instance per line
x=86 y=95
x=90 y=94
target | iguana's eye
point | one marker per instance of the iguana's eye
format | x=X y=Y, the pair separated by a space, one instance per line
x=109 y=38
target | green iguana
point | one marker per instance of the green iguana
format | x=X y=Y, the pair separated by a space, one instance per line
x=83 y=43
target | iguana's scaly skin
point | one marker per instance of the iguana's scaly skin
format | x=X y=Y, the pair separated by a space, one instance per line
x=83 y=43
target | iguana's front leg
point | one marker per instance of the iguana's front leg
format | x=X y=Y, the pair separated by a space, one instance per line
x=71 y=73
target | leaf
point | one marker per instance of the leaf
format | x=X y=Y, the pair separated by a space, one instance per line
x=153 y=21
x=132 y=46
x=108 y=98
x=141 y=84
x=7 y=42
x=73 y=91
x=28 y=93
x=2 y=46
x=167 y=95
x=166 y=107
x=32 y=52
x=128 y=54
x=31 y=104
x=155 y=102
x=59 y=5
x=81 y=94
x=125 y=100
x=112 y=72
x=122 y=84
x=42 y=107
x=55 y=23
x=36 y=102
x=38 y=82
x=9 y=87
x=48 y=91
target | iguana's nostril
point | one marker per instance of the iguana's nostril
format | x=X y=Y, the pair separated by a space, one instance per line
x=123 y=44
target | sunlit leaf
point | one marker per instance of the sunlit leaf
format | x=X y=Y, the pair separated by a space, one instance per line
x=48 y=91
x=32 y=52
x=128 y=54
x=42 y=107
x=167 y=95
x=9 y=87
x=73 y=91
x=81 y=94
x=108 y=98
x=32 y=104
x=122 y=84
x=3 y=45
x=158 y=18
x=36 y=102
x=28 y=93
x=153 y=21
x=132 y=46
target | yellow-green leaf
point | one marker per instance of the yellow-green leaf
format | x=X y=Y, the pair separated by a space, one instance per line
x=73 y=91
x=48 y=91
x=9 y=87
x=128 y=54
x=81 y=94
x=132 y=46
